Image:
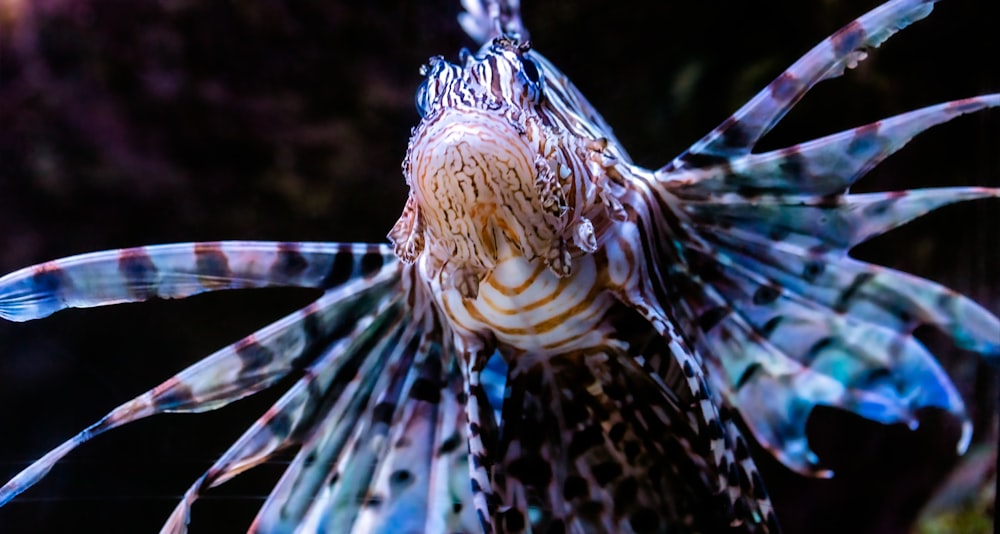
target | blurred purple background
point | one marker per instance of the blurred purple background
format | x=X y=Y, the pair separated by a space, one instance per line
x=126 y=123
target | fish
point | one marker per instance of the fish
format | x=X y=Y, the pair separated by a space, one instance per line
x=294 y=265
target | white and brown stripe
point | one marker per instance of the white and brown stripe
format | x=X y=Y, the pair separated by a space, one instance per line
x=530 y=227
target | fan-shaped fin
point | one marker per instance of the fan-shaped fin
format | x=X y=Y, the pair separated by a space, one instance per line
x=389 y=453
x=241 y=369
x=182 y=270
x=286 y=423
x=823 y=166
x=738 y=134
x=319 y=463
x=815 y=224
x=869 y=293
x=750 y=261
x=602 y=442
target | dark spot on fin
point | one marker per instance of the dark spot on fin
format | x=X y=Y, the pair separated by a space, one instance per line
x=138 y=270
x=290 y=262
x=766 y=295
x=712 y=317
x=340 y=271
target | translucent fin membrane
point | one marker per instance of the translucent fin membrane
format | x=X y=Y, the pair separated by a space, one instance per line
x=181 y=270
x=738 y=134
x=243 y=368
x=758 y=269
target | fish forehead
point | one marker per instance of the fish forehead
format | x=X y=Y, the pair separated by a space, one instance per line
x=490 y=79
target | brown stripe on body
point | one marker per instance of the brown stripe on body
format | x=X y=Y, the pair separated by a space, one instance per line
x=553 y=322
x=568 y=341
x=548 y=298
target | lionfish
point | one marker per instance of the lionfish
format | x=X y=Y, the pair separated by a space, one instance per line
x=647 y=320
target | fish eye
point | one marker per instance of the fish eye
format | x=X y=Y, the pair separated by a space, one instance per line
x=420 y=99
x=530 y=69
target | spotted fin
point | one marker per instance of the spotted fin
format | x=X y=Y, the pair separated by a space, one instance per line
x=386 y=455
x=336 y=372
x=776 y=354
x=754 y=269
x=825 y=166
x=182 y=270
x=608 y=442
x=738 y=134
x=241 y=369
x=789 y=320
x=422 y=482
x=338 y=417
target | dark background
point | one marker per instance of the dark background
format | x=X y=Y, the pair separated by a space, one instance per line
x=126 y=123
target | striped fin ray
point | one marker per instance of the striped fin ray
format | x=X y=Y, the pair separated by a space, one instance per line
x=390 y=455
x=676 y=364
x=637 y=459
x=716 y=438
x=824 y=166
x=781 y=314
x=236 y=371
x=738 y=134
x=787 y=203
x=181 y=270
x=334 y=373
x=758 y=274
x=370 y=492
x=786 y=320
x=776 y=354
x=871 y=293
x=422 y=482
x=332 y=499
x=835 y=285
x=794 y=240
x=813 y=224
x=336 y=417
